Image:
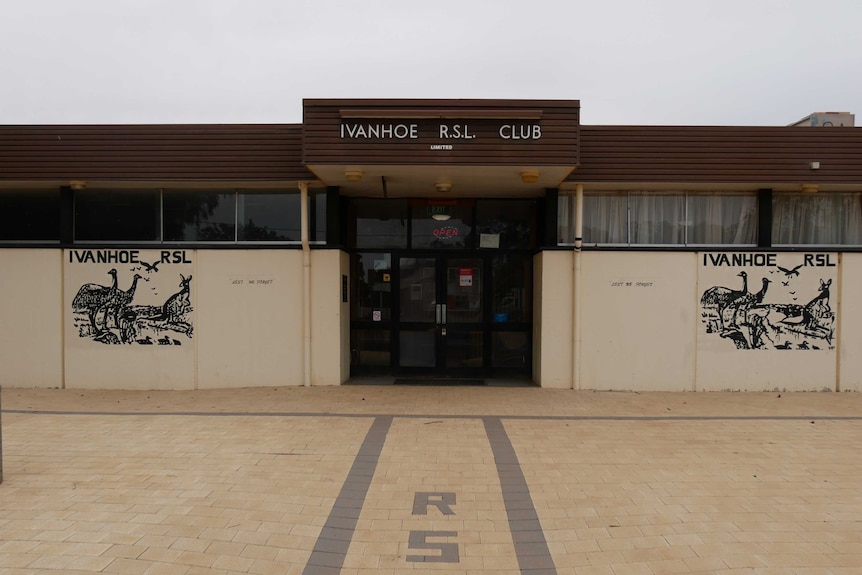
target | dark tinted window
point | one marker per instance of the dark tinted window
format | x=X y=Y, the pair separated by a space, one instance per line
x=372 y=273
x=127 y=215
x=370 y=348
x=441 y=226
x=512 y=282
x=506 y=224
x=32 y=215
x=199 y=216
x=317 y=206
x=268 y=217
x=378 y=224
x=510 y=349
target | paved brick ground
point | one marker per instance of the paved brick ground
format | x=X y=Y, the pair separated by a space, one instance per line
x=384 y=480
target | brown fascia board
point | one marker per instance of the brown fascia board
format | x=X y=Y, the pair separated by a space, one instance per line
x=699 y=154
x=176 y=152
x=408 y=103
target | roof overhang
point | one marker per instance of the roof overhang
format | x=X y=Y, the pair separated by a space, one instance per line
x=411 y=148
x=400 y=181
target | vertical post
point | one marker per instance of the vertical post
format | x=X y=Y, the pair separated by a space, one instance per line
x=576 y=286
x=306 y=284
x=764 y=218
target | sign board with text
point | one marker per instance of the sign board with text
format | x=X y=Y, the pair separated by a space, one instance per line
x=488 y=132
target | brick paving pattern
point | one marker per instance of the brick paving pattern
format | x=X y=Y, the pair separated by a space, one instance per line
x=362 y=480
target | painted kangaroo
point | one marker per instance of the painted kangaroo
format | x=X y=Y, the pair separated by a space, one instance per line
x=822 y=296
x=807 y=315
x=174 y=308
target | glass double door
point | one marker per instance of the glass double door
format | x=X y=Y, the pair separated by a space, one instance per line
x=440 y=315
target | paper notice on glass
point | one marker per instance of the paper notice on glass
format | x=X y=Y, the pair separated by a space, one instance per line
x=489 y=240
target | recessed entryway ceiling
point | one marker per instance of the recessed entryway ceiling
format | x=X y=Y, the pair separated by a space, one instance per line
x=422 y=181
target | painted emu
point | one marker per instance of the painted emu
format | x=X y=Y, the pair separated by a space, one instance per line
x=720 y=298
x=92 y=298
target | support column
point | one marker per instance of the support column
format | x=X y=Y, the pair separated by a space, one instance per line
x=306 y=285
x=764 y=221
x=576 y=286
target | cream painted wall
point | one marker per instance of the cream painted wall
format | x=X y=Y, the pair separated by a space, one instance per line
x=112 y=354
x=329 y=354
x=31 y=338
x=243 y=324
x=553 y=316
x=849 y=324
x=768 y=345
x=638 y=321
x=249 y=318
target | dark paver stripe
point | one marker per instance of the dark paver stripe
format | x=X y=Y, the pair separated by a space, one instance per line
x=432 y=416
x=331 y=547
x=531 y=549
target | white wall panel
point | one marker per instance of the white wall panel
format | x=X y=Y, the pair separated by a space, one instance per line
x=31 y=336
x=249 y=318
x=638 y=322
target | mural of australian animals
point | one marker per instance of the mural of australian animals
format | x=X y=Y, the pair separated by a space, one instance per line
x=93 y=299
x=753 y=320
x=109 y=315
x=176 y=308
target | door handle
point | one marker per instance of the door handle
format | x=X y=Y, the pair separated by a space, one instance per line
x=439 y=310
x=443 y=305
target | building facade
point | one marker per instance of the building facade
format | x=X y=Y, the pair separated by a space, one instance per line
x=456 y=238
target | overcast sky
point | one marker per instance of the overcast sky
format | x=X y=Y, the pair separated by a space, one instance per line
x=702 y=62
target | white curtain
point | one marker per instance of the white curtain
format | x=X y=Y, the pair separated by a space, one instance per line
x=718 y=219
x=818 y=219
x=565 y=227
x=605 y=219
x=657 y=219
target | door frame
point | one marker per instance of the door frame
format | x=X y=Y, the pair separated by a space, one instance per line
x=443 y=329
x=507 y=336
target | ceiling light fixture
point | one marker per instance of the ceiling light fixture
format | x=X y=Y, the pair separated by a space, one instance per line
x=353 y=175
x=440 y=213
x=810 y=188
x=443 y=187
x=530 y=176
x=78 y=185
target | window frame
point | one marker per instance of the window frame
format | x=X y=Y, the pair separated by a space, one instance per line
x=811 y=196
x=625 y=197
x=316 y=207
